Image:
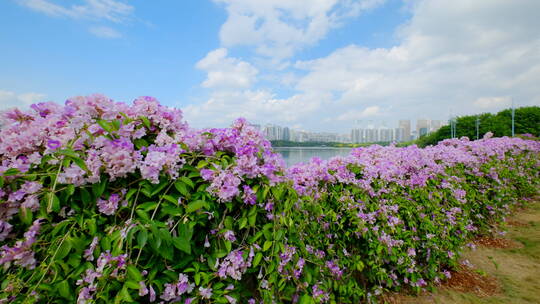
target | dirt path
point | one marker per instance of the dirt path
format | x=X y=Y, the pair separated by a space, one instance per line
x=505 y=270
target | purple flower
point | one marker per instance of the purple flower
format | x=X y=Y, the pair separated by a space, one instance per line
x=21 y=253
x=174 y=290
x=109 y=207
x=207 y=174
x=5 y=229
x=229 y=235
x=152 y=294
x=249 y=195
x=447 y=274
x=143 y=290
x=53 y=144
x=334 y=269
x=89 y=252
x=206 y=293
x=230 y=299
x=233 y=266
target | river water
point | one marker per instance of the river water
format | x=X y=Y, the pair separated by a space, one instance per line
x=294 y=155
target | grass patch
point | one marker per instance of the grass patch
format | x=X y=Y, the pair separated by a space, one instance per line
x=517 y=270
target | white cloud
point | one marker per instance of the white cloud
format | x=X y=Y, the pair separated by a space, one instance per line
x=354 y=115
x=492 y=102
x=279 y=28
x=9 y=99
x=452 y=57
x=111 y=10
x=226 y=72
x=104 y=32
x=260 y=106
x=452 y=54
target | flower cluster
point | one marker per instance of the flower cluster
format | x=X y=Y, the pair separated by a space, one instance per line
x=21 y=253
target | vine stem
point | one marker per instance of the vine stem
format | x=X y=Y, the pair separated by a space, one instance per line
x=49 y=203
x=51 y=262
x=151 y=219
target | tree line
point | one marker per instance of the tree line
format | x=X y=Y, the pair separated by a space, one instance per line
x=526 y=121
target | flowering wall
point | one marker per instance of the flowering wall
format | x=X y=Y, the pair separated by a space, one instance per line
x=108 y=202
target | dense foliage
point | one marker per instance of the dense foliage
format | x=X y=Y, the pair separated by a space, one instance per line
x=108 y=202
x=527 y=121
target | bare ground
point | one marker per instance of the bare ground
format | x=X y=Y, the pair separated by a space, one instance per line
x=505 y=269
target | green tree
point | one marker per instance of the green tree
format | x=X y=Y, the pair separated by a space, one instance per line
x=527 y=121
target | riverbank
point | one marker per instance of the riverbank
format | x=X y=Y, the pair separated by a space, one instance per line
x=505 y=269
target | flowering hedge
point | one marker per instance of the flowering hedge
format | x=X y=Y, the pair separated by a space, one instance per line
x=108 y=202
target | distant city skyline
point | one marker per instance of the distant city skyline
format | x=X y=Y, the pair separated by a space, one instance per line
x=401 y=133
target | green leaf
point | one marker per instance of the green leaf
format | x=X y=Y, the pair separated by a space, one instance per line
x=185 y=231
x=183 y=241
x=279 y=235
x=79 y=162
x=170 y=198
x=64 y=249
x=166 y=251
x=132 y=285
x=59 y=227
x=105 y=125
x=85 y=196
x=91 y=225
x=70 y=189
x=53 y=203
x=63 y=289
x=116 y=124
x=147 y=206
x=67 y=152
x=134 y=273
x=242 y=223
x=257 y=259
x=181 y=187
x=130 y=193
x=11 y=172
x=196 y=205
x=123 y=295
x=306 y=299
x=267 y=245
x=99 y=188
x=142 y=237
x=252 y=219
x=159 y=187
x=143 y=215
x=145 y=121
x=25 y=215
x=182 y=245
x=155 y=241
x=187 y=181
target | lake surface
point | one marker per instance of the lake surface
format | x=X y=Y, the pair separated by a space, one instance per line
x=294 y=155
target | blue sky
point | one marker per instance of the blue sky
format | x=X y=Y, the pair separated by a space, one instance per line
x=327 y=65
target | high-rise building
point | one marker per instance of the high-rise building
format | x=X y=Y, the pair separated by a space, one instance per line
x=399 y=135
x=422 y=127
x=386 y=135
x=286 y=134
x=273 y=132
x=435 y=125
x=406 y=126
x=372 y=135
